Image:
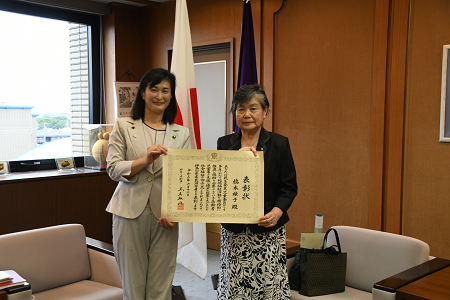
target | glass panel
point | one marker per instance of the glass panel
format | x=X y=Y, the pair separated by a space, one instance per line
x=43 y=98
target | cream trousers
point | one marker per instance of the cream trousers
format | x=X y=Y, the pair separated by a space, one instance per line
x=146 y=254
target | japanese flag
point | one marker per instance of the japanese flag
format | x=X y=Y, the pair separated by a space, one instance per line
x=192 y=236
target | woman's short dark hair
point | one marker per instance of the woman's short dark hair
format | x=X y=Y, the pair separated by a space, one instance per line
x=247 y=92
x=150 y=79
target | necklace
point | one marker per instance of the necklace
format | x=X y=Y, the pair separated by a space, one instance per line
x=153 y=140
x=155 y=125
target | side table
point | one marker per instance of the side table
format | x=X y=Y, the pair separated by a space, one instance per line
x=435 y=286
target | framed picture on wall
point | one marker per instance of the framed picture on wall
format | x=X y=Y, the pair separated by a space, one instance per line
x=124 y=94
x=444 y=133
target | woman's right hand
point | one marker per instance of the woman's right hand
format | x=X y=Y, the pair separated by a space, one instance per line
x=153 y=152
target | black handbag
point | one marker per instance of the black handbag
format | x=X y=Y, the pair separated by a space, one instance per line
x=294 y=272
x=323 y=271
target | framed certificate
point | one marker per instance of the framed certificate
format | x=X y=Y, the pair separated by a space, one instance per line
x=213 y=186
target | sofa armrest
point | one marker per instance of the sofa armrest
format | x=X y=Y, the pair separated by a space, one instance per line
x=104 y=268
x=382 y=295
x=100 y=246
x=395 y=282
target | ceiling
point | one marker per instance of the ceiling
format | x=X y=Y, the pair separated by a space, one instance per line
x=132 y=2
x=94 y=6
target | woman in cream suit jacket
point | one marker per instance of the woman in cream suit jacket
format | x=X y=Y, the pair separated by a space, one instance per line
x=145 y=244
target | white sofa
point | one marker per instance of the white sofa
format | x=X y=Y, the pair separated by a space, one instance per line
x=371 y=257
x=58 y=264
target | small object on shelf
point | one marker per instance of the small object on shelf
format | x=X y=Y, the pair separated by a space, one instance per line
x=100 y=149
x=95 y=145
x=65 y=163
x=318 y=227
x=15 y=281
x=4 y=168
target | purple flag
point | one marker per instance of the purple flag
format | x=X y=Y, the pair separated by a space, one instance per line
x=247 y=73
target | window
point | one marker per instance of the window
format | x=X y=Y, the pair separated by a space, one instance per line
x=50 y=84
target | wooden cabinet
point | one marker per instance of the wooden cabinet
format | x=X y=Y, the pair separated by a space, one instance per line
x=39 y=199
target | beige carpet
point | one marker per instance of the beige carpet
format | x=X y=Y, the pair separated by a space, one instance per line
x=193 y=286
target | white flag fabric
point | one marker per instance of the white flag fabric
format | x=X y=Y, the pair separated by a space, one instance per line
x=192 y=236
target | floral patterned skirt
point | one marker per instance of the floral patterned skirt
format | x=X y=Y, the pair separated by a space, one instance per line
x=253 y=265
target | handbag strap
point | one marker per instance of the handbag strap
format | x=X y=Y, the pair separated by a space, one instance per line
x=337 y=239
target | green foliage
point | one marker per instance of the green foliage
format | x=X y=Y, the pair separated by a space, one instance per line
x=53 y=122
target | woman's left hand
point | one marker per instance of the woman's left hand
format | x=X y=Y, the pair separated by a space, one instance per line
x=255 y=153
x=271 y=218
x=166 y=224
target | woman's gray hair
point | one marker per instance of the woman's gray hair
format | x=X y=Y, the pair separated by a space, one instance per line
x=247 y=92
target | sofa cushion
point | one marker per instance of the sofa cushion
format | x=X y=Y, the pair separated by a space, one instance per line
x=82 y=290
x=47 y=257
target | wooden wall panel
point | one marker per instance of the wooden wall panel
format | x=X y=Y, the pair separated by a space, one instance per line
x=378 y=114
x=129 y=42
x=270 y=9
x=426 y=183
x=323 y=93
x=123 y=50
x=395 y=106
x=36 y=203
x=158 y=29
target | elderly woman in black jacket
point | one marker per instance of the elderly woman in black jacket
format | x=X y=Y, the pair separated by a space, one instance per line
x=253 y=257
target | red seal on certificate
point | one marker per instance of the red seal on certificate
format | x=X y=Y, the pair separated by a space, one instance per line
x=180 y=206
